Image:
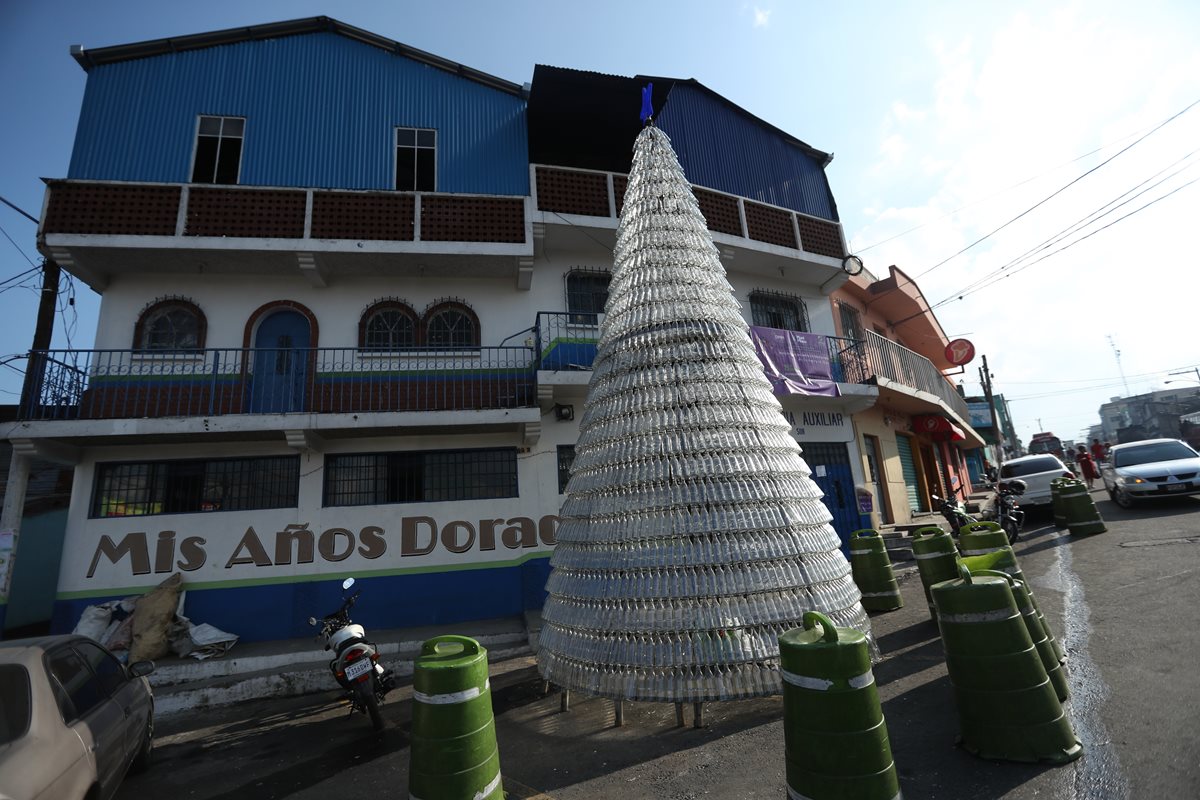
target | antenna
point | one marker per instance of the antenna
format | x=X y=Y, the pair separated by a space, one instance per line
x=1120 y=369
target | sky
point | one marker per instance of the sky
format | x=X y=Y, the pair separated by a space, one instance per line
x=980 y=147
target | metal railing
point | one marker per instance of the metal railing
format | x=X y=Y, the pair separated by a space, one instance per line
x=862 y=360
x=566 y=340
x=115 y=384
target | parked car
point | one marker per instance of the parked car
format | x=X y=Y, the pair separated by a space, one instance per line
x=1152 y=468
x=73 y=719
x=1037 y=471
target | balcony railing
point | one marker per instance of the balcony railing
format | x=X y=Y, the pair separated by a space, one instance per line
x=602 y=194
x=115 y=384
x=567 y=341
x=188 y=210
x=861 y=361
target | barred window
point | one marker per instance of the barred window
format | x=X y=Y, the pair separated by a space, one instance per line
x=429 y=476
x=566 y=457
x=389 y=329
x=184 y=487
x=452 y=327
x=775 y=310
x=851 y=321
x=587 y=293
x=172 y=324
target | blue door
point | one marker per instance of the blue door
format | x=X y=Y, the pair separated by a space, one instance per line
x=830 y=465
x=280 y=363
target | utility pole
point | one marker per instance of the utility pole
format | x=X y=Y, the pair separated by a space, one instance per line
x=985 y=377
x=1120 y=369
x=35 y=369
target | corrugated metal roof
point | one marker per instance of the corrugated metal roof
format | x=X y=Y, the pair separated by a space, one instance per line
x=320 y=111
x=177 y=44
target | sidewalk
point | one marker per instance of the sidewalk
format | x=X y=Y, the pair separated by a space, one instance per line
x=292 y=667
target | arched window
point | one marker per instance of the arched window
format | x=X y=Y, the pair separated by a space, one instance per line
x=387 y=325
x=777 y=310
x=170 y=325
x=451 y=324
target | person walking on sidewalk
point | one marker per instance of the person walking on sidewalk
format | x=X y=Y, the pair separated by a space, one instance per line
x=1099 y=453
x=1086 y=466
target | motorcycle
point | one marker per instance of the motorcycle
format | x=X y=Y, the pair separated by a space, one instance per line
x=355 y=663
x=1005 y=510
x=954 y=513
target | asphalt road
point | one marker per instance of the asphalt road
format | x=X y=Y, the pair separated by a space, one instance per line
x=1123 y=604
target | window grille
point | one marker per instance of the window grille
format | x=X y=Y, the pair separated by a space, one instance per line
x=420 y=476
x=776 y=310
x=137 y=489
x=451 y=328
x=389 y=329
x=218 y=150
x=851 y=321
x=587 y=292
x=566 y=457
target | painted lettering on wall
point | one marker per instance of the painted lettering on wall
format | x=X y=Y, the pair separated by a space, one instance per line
x=823 y=418
x=298 y=544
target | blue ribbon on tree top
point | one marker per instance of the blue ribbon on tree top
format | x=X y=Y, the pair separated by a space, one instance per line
x=647 y=103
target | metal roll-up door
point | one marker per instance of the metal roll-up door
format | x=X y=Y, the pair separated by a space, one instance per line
x=908 y=466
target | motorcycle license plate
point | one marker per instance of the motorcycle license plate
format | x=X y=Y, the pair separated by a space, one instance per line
x=358 y=668
x=1176 y=487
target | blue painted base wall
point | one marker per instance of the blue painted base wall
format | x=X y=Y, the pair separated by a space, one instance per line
x=281 y=611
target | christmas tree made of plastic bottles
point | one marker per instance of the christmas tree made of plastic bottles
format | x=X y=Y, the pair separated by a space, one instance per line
x=692 y=534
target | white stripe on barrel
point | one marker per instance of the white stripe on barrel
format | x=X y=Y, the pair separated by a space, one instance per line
x=452 y=697
x=824 y=684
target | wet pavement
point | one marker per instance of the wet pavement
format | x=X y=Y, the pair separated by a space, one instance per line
x=1121 y=603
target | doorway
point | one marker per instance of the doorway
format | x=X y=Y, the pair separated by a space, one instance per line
x=875 y=474
x=830 y=465
x=280 y=369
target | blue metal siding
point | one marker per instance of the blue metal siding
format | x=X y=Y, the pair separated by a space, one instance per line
x=320 y=111
x=725 y=150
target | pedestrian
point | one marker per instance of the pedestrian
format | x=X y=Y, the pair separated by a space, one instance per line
x=1099 y=452
x=1086 y=466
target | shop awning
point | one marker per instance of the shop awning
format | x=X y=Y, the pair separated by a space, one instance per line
x=937 y=427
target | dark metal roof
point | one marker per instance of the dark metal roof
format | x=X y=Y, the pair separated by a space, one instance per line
x=155 y=47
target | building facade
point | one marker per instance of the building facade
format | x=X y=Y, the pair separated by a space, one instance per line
x=351 y=293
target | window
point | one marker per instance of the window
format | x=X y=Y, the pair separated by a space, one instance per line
x=587 y=293
x=851 y=321
x=452 y=325
x=566 y=457
x=80 y=688
x=775 y=310
x=218 y=150
x=184 y=487
x=388 y=325
x=416 y=159
x=420 y=476
x=110 y=675
x=170 y=325
x=15 y=702
x=1032 y=466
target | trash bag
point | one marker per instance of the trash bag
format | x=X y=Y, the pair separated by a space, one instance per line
x=152 y=620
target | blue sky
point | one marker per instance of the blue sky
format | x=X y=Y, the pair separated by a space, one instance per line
x=951 y=118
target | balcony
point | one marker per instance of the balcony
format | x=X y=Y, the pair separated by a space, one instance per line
x=124 y=384
x=100 y=229
x=882 y=362
x=758 y=232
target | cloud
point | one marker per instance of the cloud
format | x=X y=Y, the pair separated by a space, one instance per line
x=761 y=18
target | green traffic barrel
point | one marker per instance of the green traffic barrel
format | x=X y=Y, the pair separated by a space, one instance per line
x=1056 y=487
x=835 y=736
x=1055 y=669
x=1005 y=560
x=937 y=560
x=1080 y=510
x=872 y=569
x=453 y=751
x=1007 y=706
x=981 y=538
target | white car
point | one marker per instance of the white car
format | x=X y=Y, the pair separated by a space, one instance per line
x=1037 y=471
x=73 y=719
x=1153 y=468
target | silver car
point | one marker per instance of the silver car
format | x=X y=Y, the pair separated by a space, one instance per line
x=1153 y=468
x=73 y=719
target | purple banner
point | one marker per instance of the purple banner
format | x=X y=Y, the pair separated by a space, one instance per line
x=795 y=363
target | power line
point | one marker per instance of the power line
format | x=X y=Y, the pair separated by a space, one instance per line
x=1043 y=201
x=14 y=244
x=19 y=210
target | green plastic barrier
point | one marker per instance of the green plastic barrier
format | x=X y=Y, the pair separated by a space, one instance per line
x=937 y=560
x=836 y=739
x=872 y=569
x=1008 y=708
x=453 y=751
x=1082 y=517
x=1055 y=669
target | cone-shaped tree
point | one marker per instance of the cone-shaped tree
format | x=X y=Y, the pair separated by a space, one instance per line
x=692 y=535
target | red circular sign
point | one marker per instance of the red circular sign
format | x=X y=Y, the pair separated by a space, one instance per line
x=959 y=352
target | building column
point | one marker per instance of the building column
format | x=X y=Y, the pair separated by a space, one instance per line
x=10 y=524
